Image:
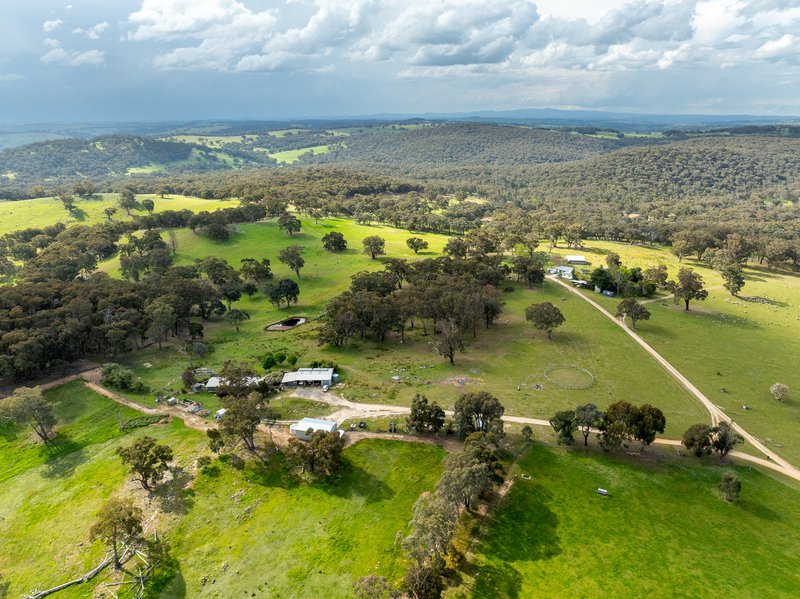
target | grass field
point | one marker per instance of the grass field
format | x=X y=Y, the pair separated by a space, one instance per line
x=278 y=536
x=41 y=212
x=732 y=349
x=290 y=156
x=281 y=539
x=662 y=532
x=48 y=502
x=508 y=360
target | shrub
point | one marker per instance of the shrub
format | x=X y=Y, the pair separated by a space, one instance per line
x=119 y=377
x=324 y=364
x=292 y=360
x=268 y=361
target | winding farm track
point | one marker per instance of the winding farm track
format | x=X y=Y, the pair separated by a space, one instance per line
x=717 y=415
x=343 y=409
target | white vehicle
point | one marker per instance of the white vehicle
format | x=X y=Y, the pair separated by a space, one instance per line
x=325 y=388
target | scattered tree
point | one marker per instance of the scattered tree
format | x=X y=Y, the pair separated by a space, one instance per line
x=334 y=242
x=119 y=522
x=425 y=416
x=527 y=433
x=148 y=461
x=478 y=412
x=779 y=391
x=322 y=452
x=109 y=212
x=632 y=309
x=733 y=279
x=374 y=246
x=289 y=223
x=292 y=256
x=284 y=290
x=417 y=244
x=730 y=487
x=565 y=425
x=456 y=248
x=450 y=341
x=237 y=317
x=27 y=406
x=724 y=439
x=242 y=417
x=688 y=287
x=697 y=438
x=149 y=205
x=545 y=317
x=648 y=420
x=586 y=417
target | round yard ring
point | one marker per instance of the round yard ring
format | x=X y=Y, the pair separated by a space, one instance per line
x=569 y=377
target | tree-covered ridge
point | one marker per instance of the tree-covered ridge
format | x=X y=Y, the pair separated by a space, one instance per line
x=102 y=157
x=470 y=144
x=700 y=167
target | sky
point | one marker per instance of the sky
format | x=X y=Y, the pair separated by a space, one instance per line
x=156 y=60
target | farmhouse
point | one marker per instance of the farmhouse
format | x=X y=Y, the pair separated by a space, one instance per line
x=310 y=376
x=575 y=259
x=307 y=426
x=565 y=272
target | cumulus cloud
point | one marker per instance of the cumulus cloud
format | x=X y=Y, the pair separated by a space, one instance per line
x=93 y=32
x=9 y=77
x=463 y=37
x=53 y=25
x=71 y=58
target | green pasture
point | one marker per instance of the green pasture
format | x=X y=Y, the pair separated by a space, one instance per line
x=257 y=531
x=662 y=532
x=41 y=212
x=732 y=349
x=250 y=527
x=290 y=156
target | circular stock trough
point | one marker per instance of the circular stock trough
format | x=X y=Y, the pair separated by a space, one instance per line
x=287 y=325
x=569 y=377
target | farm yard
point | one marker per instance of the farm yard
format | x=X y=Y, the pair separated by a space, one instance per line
x=510 y=359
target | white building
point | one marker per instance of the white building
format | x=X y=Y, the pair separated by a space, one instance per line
x=309 y=376
x=576 y=259
x=307 y=426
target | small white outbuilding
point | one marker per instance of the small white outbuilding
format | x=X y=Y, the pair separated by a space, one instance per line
x=307 y=426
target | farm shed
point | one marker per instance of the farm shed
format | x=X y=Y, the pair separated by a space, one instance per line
x=576 y=259
x=308 y=376
x=303 y=429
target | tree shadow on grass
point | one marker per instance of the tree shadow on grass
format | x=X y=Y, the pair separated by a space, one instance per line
x=4 y=586
x=496 y=580
x=354 y=481
x=63 y=456
x=759 y=510
x=174 y=495
x=271 y=471
x=758 y=299
x=525 y=529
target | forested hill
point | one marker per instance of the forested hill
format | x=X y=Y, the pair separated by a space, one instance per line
x=101 y=157
x=715 y=166
x=471 y=144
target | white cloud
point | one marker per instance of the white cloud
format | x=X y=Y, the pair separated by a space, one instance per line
x=9 y=77
x=53 y=25
x=93 y=32
x=462 y=37
x=71 y=58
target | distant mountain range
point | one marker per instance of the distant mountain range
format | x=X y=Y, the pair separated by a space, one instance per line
x=16 y=135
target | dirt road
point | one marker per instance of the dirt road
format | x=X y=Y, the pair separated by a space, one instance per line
x=716 y=414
